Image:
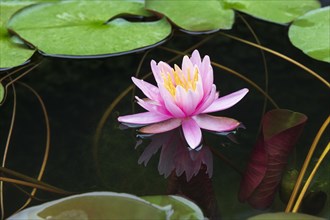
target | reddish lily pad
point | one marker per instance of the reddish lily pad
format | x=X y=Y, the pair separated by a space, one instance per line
x=281 y=130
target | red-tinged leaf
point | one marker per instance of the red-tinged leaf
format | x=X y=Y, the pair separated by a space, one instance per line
x=281 y=129
x=255 y=171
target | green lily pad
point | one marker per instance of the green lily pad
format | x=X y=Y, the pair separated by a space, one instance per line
x=311 y=34
x=285 y=216
x=2 y=93
x=194 y=15
x=11 y=54
x=96 y=205
x=82 y=28
x=278 y=11
x=183 y=208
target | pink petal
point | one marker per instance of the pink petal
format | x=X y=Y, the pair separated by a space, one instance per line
x=159 y=70
x=226 y=101
x=151 y=91
x=187 y=65
x=143 y=118
x=161 y=127
x=170 y=103
x=156 y=72
x=208 y=100
x=199 y=91
x=192 y=132
x=164 y=67
x=196 y=58
x=214 y=123
x=206 y=72
x=152 y=106
x=186 y=100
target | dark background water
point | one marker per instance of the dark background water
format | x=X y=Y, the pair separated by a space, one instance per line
x=78 y=92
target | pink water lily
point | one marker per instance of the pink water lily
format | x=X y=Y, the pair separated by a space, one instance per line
x=182 y=97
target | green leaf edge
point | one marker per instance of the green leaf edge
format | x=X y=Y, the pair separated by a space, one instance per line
x=292 y=36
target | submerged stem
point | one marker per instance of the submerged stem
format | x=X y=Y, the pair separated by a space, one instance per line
x=16 y=71
x=265 y=66
x=311 y=72
x=248 y=81
x=305 y=165
x=23 y=74
x=6 y=150
x=47 y=146
x=34 y=185
x=310 y=178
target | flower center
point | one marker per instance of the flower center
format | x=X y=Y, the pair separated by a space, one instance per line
x=179 y=78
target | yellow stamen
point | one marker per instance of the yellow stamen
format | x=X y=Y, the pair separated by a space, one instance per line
x=178 y=78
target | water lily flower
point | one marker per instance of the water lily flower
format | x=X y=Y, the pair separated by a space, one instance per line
x=183 y=97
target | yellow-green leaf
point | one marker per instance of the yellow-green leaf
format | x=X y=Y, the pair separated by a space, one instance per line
x=194 y=15
x=311 y=34
x=82 y=28
x=11 y=54
x=278 y=11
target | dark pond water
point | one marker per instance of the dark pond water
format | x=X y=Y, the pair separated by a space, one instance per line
x=78 y=92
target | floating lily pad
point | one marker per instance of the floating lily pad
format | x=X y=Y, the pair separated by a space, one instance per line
x=183 y=208
x=2 y=93
x=311 y=34
x=88 y=28
x=278 y=11
x=11 y=54
x=96 y=205
x=194 y=15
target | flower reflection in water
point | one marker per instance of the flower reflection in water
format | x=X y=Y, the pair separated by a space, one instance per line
x=189 y=170
x=176 y=156
x=177 y=109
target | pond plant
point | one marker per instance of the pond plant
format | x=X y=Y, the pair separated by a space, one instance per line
x=181 y=118
x=183 y=97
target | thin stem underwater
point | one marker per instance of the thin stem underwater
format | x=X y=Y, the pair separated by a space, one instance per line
x=310 y=178
x=305 y=164
x=11 y=127
x=265 y=67
x=16 y=71
x=28 y=179
x=47 y=146
x=33 y=185
x=23 y=74
x=10 y=76
x=311 y=72
x=27 y=193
